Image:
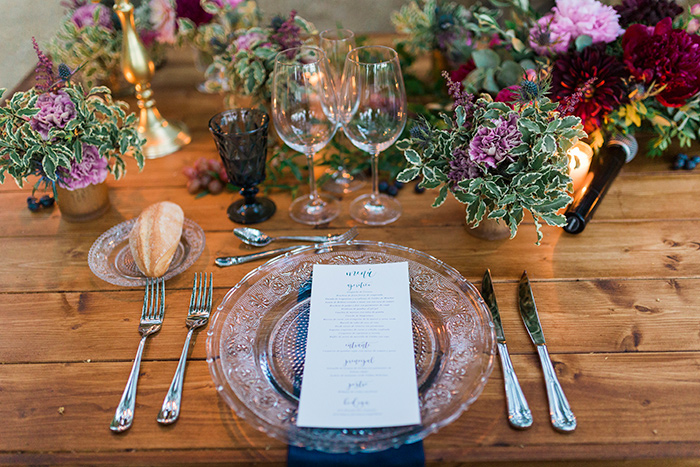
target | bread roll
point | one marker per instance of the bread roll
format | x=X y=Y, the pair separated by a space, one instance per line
x=155 y=236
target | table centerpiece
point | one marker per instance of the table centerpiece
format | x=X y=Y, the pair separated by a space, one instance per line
x=499 y=158
x=68 y=138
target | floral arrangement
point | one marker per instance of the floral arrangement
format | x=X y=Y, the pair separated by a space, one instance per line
x=90 y=35
x=62 y=135
x=248 y=59
x=499 y=159
x=207 y=24
x=628 y=68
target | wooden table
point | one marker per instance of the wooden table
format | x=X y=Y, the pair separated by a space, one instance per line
x=618 y=303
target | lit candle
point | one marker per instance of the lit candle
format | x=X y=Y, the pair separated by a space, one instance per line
x=584 y=154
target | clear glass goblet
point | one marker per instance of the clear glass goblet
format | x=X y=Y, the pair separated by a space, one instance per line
x=304 y=113
x=373 y=111
x=241 y=138
x=336 y=43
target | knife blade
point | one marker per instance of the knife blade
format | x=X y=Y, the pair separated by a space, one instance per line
x=519 y=414
x=561 y=415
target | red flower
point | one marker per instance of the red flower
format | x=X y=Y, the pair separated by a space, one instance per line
x=192 y=10
x=463 y=71
x=591 y=82
x=665 y=57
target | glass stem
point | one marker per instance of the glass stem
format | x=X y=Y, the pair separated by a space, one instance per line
x=374 y=197
x=313 y=193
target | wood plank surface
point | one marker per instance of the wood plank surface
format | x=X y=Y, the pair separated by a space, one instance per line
x=618 y=303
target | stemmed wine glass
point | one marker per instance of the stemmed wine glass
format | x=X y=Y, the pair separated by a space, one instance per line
x=336 y=43
x=304 y=113
x=373 y=110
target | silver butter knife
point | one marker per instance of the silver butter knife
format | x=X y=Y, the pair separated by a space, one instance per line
x=563 y=418
x=519 y=414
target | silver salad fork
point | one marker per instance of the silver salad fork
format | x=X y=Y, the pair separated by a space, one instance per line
x=197 y=316
x=151 y=321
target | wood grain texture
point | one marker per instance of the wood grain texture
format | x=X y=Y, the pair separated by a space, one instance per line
x=618 y=304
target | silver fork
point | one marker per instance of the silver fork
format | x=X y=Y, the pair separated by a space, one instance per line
x=151 y=321
x=224 y=261
x=197 y=316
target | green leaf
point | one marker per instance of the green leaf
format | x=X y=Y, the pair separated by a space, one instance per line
x=465 y=197
x=428 y=173
x=557 y=220
x=442 y=196
x=486 y=58
x=403 y=145
x=408 y=174
x=412 y=157
x=582 y=42
x=549 y=144
x=460 y=115
x=509 y=73
x=554 y=205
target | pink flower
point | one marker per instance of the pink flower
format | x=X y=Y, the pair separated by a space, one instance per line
x=509 y=94
x=552 y=34
x=693 y=26
x=246 y=41
x=230 y=3
x=591 y=18
x=85 y=16
x=55 y=111
x=695 y=9
x=92 y=170
x=163 y=17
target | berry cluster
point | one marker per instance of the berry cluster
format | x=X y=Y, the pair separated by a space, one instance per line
x=684 y=162
x=206 y=174
x=393 y=189
x=35 y=204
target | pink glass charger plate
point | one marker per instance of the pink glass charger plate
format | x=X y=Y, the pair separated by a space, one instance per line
x=256 y=345
x=110 y=257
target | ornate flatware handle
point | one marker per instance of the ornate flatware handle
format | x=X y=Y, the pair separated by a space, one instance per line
x=224 y=261
x=519 y=414
x=563 y=418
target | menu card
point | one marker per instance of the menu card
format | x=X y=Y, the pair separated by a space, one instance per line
x=359 y=370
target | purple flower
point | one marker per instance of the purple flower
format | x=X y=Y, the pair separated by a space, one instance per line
x=287 y=34
x=55 y=111
x=491 y=146
x=92 y=170
x=85 y=16
x=246 y=41
x=462 y=167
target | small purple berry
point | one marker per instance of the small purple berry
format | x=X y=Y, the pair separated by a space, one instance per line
x=419 y=189
x=392 y=190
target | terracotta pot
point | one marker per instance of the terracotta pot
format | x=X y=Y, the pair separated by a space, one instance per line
x=83 y=204
x=489 y=229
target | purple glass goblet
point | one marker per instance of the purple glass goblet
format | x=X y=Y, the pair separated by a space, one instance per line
x=241 y=138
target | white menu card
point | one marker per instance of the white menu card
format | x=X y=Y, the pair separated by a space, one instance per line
x=359 y=370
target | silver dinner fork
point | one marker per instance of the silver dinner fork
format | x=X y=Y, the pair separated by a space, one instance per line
x=197 y=316
x=151 y=321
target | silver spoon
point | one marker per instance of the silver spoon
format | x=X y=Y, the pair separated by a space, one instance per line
x=255 y=237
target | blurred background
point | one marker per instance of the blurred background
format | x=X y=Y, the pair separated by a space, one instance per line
x=22 y=19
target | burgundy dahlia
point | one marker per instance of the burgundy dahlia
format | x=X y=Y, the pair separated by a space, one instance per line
x=599 y=80
x=192 y=10
x=647 y=12
x=666 y=57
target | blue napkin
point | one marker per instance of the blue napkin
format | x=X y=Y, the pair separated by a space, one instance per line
x=408 y=455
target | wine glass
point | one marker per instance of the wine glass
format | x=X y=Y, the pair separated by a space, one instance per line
x=241 y=138
x=373 y=111
x=304 y=112
x=336 y=43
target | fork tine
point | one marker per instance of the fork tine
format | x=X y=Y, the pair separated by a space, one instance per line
x=194 y=294
x=162 y=299
x=155 y=289
x=144 y=309
x=201 y=295
x=211 y=291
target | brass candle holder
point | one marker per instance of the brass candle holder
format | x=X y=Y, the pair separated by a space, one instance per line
x=162 y=137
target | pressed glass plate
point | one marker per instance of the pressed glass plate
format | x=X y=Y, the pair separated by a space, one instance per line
x=256 y=345
x=110 y=256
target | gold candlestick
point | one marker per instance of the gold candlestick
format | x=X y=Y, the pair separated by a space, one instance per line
x=162 y=137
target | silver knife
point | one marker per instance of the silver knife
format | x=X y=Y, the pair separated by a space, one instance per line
x=519 y=414
x=563 y=418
